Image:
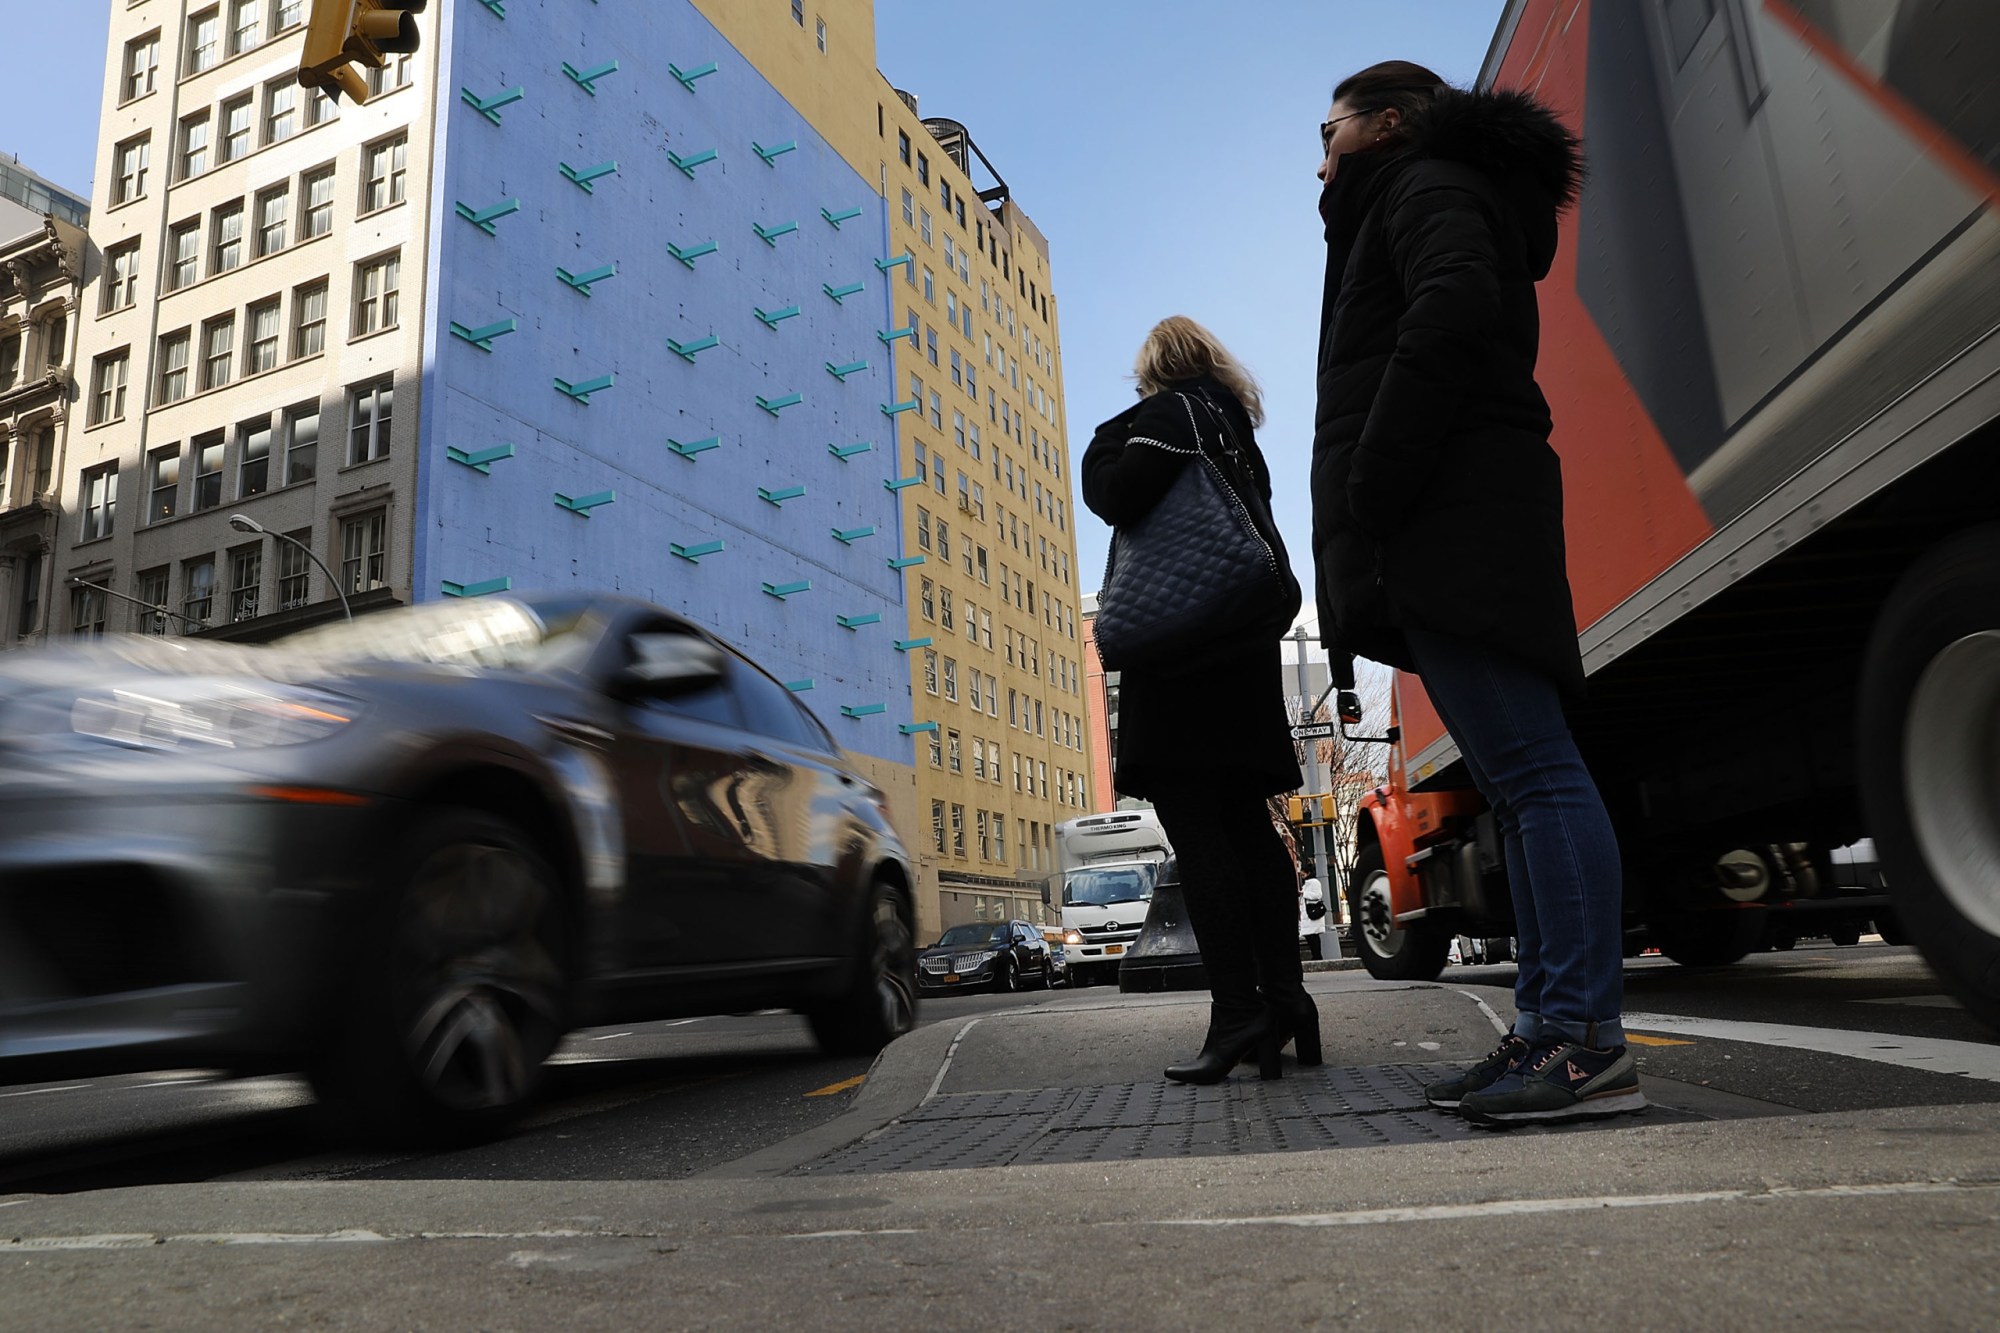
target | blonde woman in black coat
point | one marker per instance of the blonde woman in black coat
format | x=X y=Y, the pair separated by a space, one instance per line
x=1209 y=746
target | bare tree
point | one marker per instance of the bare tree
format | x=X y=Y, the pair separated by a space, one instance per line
x=1350 y=767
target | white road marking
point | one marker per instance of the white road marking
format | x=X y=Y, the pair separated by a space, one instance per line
x=680 y=1022
x=1487 y=1009
x=36 y=1092
x=609 y=1035
x=1920 y=1001
x=835 y=1235
x=176 y=1082
x=1932 y=1054
x=1448 y=1212
x=945 y=1068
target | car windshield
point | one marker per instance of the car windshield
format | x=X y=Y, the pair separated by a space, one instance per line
x=1112 y=884
x=489 y=632
x=964 y=937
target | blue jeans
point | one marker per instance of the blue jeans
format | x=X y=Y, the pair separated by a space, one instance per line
x=1562 y=854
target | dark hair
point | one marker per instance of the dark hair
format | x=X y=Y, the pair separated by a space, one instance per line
x=1393 y=83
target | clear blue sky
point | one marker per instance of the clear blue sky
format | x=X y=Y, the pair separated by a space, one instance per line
x=1165 y=147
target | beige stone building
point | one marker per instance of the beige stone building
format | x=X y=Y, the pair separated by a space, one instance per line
x=251 y=342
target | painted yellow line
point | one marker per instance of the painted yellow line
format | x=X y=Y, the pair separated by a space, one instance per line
x=1638 y=1040
x=841 y=1086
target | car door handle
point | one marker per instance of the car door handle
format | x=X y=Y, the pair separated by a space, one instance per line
x=572 y=729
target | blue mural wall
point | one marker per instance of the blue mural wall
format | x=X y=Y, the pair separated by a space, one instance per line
x=657 y=360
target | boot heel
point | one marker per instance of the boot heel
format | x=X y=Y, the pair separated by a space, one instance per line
x=1268 y=1066
x=1305 y=1034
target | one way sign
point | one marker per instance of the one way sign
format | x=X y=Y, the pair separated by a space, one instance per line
x=1313 y=731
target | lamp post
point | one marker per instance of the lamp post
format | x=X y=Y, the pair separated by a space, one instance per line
x=244 y=523
x=159 y=609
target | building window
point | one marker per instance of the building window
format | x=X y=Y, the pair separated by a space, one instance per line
x=930 y=289
x=260 y=349
x=100 y=502
x=937 y=411
x=937 y=817
x=363 y=551
x=375 y=294
x=930 y=671
x=951 y=680
x=320 y=107
x=244 y=23
x=281 y=109
x=253 y=458
x=977 y=695
x=184 y=255
x=985 y=838
x=927 y=594
x=309 y=320
x=945 y=617
x=131 y=160
x=218 y=351
x=107 y=386
x=246 y=575
x=316 y=198
x=923 y=529
x=923 y=170
x=903 y=149
x=937 y=747
x=954 y=752
x=194 y=146
x=173 y=382
x=799 y=17
x=121 y=277
x=396 y=74
x=163 y=483
x=86 y=609
x=274 y=207
x=294 y=570
x=204 y=46
x=958 y=830
x=924 y=226
x=931 y=344
x=382 y=176
x=943 y=540
x=301 y=443
x=369 y=409
x=236 y=119
x=819 y=25
x=152 y=590
x=226 y=238
x=288 y=14
x=142 y=66
x=909 y=209
x=198 y=590
x=207 y=471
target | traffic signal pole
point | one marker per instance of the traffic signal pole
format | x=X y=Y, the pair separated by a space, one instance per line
x=341 y=34
x=1320 y=833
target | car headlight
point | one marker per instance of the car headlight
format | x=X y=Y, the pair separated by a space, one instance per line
x=197 y=713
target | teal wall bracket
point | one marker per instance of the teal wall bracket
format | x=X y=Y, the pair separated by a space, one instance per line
x=688 y=76
x=910 y=645
x=846 y=451
x=689 y=350
x=844 y=215
x=495 y=8
x=483 y=336
x=912 y=728
x=841 y=293
x=586 y=79
x=890 y=335
x=686 y=165
x=907 y=561
x=484 y=218
x=582 y=390
x=902 y=483
x=770 y=235
x=862 y=710
x=581 y=177
x=777 y=405
x=856 y=622
x=798 y=686
x=489 y=107
x=896 y=409
x=842 y=372
x=886 y=264
x=771 y=154
x=692 y=252
x=780 y=495
x=693 y=447
x=583 y=504
x=580 y=282
x=849 y=536
x=450 y=589
x=783 y=590
x=481 y=462
x=693 y=552
x=772 y=318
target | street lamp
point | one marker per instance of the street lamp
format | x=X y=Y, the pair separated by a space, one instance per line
x=245 y=523
x=158 y=609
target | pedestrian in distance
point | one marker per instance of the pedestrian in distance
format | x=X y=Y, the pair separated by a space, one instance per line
x=1207 y=740
x=1438 y=530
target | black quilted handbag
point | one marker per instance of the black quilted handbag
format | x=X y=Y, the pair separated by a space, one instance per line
x=1204 y=570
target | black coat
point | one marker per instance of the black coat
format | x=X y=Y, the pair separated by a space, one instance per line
x=1437 y=501
x=1225 y=725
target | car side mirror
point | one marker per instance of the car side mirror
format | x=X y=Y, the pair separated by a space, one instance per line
x=669 y=664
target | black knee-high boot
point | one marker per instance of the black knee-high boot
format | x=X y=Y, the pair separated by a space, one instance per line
x=1239 y=1023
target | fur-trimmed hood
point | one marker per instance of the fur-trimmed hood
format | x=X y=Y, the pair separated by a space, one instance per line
x=1516 y=141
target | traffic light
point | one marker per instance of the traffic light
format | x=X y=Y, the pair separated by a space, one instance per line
x=343 y=33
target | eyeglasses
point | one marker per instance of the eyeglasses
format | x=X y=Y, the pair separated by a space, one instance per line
x=1326 y=126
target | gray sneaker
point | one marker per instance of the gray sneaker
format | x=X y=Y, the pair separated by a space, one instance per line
x=1561 y=1080
x=1506 y=1058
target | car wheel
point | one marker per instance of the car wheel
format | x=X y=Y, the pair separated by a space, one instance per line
x=1890 y=929
x=453 y=1015
x=1845 y=934
x=1048 y=977
x=880 y=1002
x=1709 y=939
x=1006 y=979
x=1413 y=952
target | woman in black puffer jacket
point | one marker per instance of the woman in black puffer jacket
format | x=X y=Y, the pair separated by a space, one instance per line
x=1208 y=746
x=1438 y=528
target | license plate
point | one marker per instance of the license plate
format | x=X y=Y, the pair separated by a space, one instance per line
x=1114 y=948
x=950 y=978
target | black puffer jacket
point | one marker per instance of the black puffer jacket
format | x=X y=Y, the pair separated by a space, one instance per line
x=1223 y=726
x=1437 y=501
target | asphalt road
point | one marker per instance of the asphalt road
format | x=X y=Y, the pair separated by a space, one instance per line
x=1827 y=1030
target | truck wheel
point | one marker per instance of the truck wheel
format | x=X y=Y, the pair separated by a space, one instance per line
x=1413 y=952
x=1845 y=934
x=1709 y=939
x=1929 y=745
x=880 y=1002
x=1890 y=929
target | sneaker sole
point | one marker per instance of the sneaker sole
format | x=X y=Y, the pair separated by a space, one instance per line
x=1598 y=1108
x=1438 y=1104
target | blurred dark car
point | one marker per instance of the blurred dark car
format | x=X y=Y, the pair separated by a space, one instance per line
x=408 y=854
x=987 y=955
x=1058 y=955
